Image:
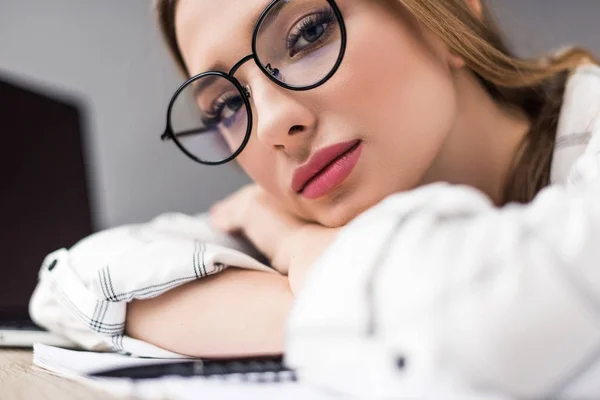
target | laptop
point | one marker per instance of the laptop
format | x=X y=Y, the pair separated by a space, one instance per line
x=44 y=200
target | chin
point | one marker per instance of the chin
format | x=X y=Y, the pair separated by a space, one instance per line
x=340 y=214
x=336 y=222
x=349 y=204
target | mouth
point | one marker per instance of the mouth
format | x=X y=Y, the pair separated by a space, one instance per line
x=326 y=169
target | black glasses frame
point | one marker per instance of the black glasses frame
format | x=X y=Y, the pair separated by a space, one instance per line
x=271 y=73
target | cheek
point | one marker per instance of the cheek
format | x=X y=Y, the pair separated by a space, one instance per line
x=258 y=163
x=261 y=166
x=410 y=107
x=399 y=93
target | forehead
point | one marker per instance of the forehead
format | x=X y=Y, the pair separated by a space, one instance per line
x=215 y=31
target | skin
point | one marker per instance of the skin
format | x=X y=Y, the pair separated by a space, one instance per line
x=422 y=117
x=467 y=139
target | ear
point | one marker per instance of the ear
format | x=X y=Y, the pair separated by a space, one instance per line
x=476 y=8
x=455 y=61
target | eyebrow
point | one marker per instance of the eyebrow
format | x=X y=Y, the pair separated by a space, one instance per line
x=271 y=16
x=269 y=19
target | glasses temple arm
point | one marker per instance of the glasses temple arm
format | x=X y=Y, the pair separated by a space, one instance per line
x=169 y=135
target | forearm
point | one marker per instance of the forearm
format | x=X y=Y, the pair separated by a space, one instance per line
x=303 y=249
x=234 y=313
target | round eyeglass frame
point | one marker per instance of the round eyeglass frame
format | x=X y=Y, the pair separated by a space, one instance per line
x=168 y=134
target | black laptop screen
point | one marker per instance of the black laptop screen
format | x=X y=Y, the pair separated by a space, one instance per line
x=44 y=201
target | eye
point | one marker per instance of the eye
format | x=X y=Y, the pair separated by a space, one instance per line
x=224 y=109
x=310 y=31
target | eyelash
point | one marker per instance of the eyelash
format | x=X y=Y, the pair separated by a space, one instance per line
x=217 y=108
x=324 y=16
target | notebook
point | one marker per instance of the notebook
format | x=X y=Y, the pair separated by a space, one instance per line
x=75 y=363
x=249 y=384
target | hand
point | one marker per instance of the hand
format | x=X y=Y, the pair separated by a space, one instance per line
x=303 y=248
x=254 y=213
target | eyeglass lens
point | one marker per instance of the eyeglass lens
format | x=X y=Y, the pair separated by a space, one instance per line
x=297 y=43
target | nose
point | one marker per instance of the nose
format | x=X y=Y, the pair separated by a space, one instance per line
x=283 y=122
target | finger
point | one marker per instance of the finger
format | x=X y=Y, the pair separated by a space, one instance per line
x=224 y=217
x=231 y=213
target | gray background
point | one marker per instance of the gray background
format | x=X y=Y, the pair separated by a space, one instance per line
x=109 y=54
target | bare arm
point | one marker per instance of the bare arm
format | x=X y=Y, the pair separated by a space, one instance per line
x=234 y=313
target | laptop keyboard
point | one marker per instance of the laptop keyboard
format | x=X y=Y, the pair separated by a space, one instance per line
x=19 y=325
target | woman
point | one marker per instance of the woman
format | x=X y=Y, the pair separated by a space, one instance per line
x=340 y=105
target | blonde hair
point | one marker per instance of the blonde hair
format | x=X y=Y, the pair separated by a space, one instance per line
x=535 y=86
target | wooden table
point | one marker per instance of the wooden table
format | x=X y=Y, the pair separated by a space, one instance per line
x=20 y=380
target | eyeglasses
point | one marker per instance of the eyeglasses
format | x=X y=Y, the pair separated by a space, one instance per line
x=297 y=44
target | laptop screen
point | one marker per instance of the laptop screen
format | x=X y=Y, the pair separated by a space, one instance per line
x=44 y=202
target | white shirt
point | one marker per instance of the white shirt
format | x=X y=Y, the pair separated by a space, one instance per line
x=437 y=291
x=431 y=291
x=82 y=293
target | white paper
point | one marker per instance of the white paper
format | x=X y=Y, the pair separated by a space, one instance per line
x=71 y=363
x=77 y=365
x=177 y=388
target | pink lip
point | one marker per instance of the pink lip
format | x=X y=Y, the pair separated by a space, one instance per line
x=326 y=169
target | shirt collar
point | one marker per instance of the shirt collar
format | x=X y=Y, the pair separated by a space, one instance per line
x=579 y=112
